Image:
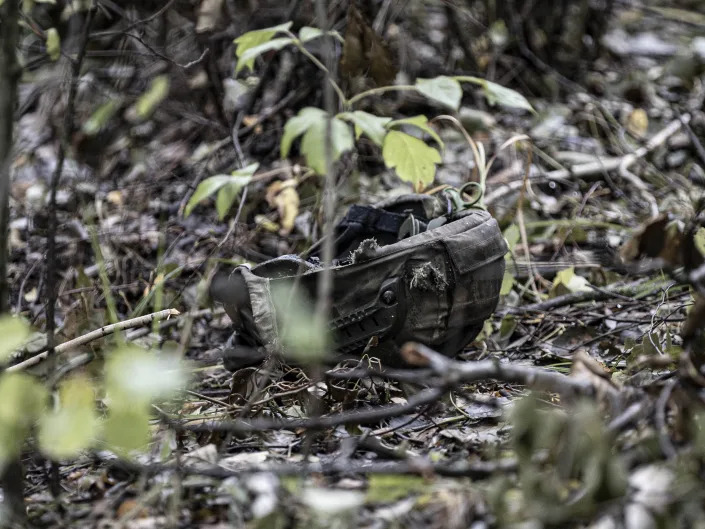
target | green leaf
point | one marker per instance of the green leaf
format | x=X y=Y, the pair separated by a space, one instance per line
x=420 y=122
x=205 y=189
x=413 y=160
x=567 y=281
x=100 y=117
x=249 y=56
x=53 y=44
x=313 y=144
x=298 y=125
x=307 y=33
x=74 y=426
x=228 y=186
x=445 y=90
x=14 y=332
x=157 y=92
x=498 y=94
x=312 y=123
x=127 y=428
x=22 y=399
x=371 y=125
x=507 y=284
x=512 y=235
x=139 y=376
x=252 y=39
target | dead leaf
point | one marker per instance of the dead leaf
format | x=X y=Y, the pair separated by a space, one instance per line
x=209 y=14
x=365 y=54
x=283 y=196
x=638 y=122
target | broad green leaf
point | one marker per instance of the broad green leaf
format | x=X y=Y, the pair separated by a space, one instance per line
x=248 y=57
x=252 y=39
x=371 y=125
x=498 y=94
x=313 y=144
x=157 y=92
x=205 y=189
x=420 y=122
x=228 y=186
x=100 y=117
x=298 y=125
x=127 y=428
x=304 y=336
x=413 y=160
x=73 y=427
x=445 y=90
x=22 y=399
x=13 y=333
x=139 y=376
x=307 y=33
x=53 y=44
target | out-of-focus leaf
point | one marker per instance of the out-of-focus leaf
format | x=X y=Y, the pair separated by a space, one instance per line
x=313 y=144
x=13 y=333
x=247 y=59
x=413 y=160
x=209 y=12
x=371 y=125
x=74 y=426
x=498 y=94
x=53 y=44
x=22 y=399
x=638 y=122
x=305 y=336
x=445 y=90
x=127 y=428
x=307 y=33
x=252 y=39
x=156 y=93
x=298 y=125
x=100 y=117
x=139 y=376
x=420 y=122
x=507 y=283
x=227 y=186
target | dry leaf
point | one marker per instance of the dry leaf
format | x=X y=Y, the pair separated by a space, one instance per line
x=283 y=196
x=365 y=54
x=638 y=122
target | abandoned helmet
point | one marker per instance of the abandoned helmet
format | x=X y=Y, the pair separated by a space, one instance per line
x=423 y=268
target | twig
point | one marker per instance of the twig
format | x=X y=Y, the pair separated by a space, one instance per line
x=601 y=165
x=94 y=335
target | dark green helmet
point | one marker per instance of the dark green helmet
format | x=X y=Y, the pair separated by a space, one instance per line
x=415 y=268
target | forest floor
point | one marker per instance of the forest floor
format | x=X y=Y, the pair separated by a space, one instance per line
x=290 y=447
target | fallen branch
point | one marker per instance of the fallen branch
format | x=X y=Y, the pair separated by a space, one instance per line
x=94 y=335
x=600 y=165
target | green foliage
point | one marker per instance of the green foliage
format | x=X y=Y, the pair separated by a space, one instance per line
x=53 y=44
x=253 y=40
x=227 y=187
x=420 y=122
x=369 y=124
x=127 y=428
x=156 y=93
x=413 y=160
x=22 y=399
x=14 y=333
x=304 y=334
x=72 y=427
x=445 y=90
x=313 y=124
x=101 y=117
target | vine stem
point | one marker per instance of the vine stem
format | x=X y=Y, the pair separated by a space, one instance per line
x=339 y=91
x=379 y=90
